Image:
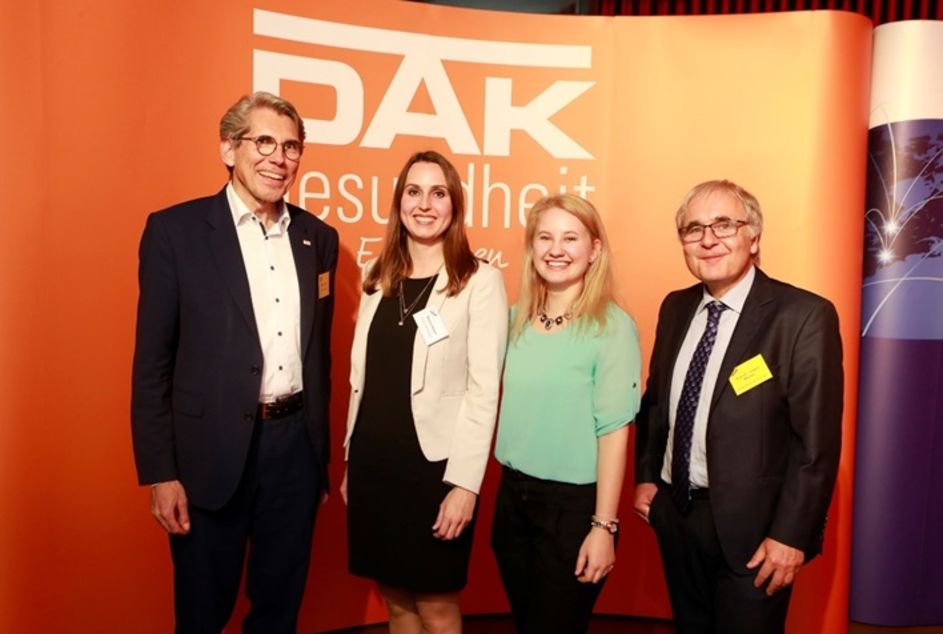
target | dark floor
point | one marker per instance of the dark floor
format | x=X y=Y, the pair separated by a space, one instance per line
x=861 y=628
x=501 y=624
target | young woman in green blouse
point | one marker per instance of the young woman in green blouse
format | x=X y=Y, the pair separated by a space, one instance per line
x=571 y=388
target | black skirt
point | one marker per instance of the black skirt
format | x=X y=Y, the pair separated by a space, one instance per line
x=393 y=492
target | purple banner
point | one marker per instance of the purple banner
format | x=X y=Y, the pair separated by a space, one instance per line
x=897 y=541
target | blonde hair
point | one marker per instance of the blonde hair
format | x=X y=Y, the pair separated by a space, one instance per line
x=596 y=294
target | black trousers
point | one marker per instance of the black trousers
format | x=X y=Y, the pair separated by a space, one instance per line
x=707 y=595
x=272 y=514
x=539 y=526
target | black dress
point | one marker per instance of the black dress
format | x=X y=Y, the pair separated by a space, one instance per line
x=394 y=493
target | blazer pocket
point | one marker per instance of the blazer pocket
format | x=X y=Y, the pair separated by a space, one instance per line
x=187 y=403
x=455 y=375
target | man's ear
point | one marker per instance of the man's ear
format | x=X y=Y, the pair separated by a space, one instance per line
x=227 y=151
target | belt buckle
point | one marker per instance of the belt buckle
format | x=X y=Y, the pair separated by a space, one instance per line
x=278 y=407
x=272 y=409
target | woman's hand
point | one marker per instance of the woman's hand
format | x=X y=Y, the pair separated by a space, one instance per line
x=455 y=513
x=597 y=556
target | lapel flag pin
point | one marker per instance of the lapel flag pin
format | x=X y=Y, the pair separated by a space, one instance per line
x=307 y=243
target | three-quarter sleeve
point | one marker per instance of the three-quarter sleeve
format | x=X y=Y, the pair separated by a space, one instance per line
x=617 y=375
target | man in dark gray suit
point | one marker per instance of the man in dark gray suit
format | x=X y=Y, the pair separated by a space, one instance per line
x=739 y=431
x=231 y=377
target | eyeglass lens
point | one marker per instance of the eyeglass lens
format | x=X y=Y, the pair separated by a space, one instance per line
x=266 y=146
x=721 y=228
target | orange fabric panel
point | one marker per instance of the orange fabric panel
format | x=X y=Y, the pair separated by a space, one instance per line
x=21 y=164
x=796 y=138
x=118 y=103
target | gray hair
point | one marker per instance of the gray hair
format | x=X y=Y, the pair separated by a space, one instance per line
x=750 y=204
x=235 y=123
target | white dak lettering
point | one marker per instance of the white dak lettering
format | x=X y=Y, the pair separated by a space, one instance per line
x=422 y=64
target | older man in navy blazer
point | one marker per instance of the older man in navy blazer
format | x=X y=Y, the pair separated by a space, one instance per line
x=231 y=377
x=740 y=428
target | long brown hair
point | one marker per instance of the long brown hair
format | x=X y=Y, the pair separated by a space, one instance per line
x=593 y=301
x=394 y=263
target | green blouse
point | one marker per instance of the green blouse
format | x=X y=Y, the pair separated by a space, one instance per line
x=562 y=390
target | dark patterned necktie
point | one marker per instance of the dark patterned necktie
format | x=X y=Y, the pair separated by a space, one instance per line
x=687 y=407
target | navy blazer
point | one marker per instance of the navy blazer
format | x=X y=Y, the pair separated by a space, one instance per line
x=773 y=451
x=198 y=359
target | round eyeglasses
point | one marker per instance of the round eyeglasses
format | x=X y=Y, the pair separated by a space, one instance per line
x=721 y=228
x=266 y=146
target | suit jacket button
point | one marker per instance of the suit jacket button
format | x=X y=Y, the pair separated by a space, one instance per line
x=249 y=416
x=255 y=369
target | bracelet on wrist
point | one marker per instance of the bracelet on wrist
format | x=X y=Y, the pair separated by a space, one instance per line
x=610 y=526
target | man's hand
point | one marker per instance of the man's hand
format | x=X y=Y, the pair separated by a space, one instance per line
x=597 y=556
x=169 y=506
x=344 y=487
x=780 y=565
x=644 y=494
x=455 y=513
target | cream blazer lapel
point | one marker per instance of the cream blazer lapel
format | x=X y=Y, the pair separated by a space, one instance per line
x=358 y=358
x=439 y=299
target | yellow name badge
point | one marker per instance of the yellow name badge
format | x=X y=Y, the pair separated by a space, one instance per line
x=749 y=374
x=324 y=285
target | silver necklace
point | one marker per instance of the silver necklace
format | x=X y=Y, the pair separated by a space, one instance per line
x=404 y=312
x=550 y=322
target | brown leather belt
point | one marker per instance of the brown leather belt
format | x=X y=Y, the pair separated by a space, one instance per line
x=282 y=407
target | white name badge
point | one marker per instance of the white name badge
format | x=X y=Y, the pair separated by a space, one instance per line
x=430 y=325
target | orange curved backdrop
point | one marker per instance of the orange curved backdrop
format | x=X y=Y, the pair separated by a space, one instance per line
x=111 y=108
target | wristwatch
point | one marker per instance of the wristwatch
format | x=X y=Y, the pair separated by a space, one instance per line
x=612 y=526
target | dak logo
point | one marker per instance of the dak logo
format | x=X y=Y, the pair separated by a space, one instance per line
x=422 y=64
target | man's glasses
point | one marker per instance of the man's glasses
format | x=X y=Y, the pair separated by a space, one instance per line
x=266 y=146
x=721 y=228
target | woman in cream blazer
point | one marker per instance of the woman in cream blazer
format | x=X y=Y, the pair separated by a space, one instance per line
x=425 y=374
x=453 y=402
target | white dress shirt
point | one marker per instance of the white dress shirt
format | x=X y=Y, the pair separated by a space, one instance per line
x=733 y=300
x=273 y=284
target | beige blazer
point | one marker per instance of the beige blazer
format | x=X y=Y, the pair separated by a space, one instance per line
x=454 y=381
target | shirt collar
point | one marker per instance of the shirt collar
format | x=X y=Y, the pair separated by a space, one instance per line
x=241 y=213
x=736 y=297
